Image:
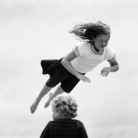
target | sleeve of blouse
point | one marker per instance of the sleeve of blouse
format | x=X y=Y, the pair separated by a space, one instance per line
x=45 y=132
x=82 y=131
x=110 y=53
x=76 y=51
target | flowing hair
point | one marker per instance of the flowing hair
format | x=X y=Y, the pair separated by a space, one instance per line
x=89 y=31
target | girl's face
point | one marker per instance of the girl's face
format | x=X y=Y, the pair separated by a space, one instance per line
x=101 y=41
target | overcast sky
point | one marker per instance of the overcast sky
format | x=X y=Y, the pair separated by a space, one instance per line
x=31 y=30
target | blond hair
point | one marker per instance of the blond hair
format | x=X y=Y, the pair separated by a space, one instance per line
x=89 y=31
x=65 y=106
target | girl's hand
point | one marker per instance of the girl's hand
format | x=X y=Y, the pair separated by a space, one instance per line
x=83 y=78
x=105 y=71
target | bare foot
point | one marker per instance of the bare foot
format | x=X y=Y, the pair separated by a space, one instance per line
x=48 y=102
x=33 y=107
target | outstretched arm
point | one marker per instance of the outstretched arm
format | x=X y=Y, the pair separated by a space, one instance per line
x=113 y=67
x=66 y=62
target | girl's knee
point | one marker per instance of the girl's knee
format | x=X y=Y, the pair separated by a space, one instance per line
x=60 y=89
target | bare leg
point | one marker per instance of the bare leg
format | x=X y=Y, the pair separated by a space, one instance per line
x=43 y=92
x=58 y=91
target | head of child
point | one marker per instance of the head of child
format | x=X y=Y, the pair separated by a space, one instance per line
x=64 y=107
x=97 y=33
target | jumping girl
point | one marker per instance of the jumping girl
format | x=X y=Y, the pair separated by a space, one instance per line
x=70 y=69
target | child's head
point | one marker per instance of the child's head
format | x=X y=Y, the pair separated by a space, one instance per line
x=64 y=107
x=90 y=31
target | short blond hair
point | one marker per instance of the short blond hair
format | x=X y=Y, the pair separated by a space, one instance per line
x=66 y=106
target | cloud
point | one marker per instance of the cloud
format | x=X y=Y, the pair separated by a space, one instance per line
x=114 y=132
x=12 y=9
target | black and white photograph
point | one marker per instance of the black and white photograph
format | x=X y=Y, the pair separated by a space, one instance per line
x=68 y=69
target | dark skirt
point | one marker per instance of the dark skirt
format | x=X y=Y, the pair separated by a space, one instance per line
x=58 y=74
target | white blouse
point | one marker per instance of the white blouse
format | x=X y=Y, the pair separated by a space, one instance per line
x=87 y=60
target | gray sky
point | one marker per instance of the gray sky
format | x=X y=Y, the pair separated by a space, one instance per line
x=31 y=30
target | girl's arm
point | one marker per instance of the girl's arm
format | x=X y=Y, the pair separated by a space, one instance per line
x=113 y=64
x=66 y=62
x=113 y=67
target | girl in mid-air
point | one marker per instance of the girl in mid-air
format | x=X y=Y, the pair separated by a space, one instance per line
x=70 y=69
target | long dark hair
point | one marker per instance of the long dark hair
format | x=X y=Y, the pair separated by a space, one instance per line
x=89 y=31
